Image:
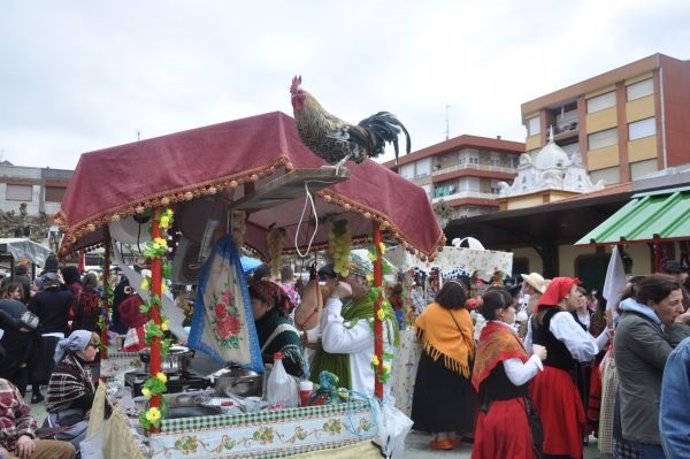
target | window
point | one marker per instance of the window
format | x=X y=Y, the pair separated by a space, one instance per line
x=533 y=126
x=642 y=168
x=609 y=175
x=55 y=193
x=407 y=171
x=444 y=190
x=642 y=128
x=571 y=148
x=640 y=89
x=469 y=184
x=603 y=139
x=601 y=102
x=19 y=192
x=423 y=167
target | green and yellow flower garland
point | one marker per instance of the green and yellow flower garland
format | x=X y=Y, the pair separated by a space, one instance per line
x=156 y=385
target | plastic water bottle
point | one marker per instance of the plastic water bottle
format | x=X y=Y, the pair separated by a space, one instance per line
x=281 y=387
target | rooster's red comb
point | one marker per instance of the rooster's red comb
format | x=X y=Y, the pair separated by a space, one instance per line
x=296 y=81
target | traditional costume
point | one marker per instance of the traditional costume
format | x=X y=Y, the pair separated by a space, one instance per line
x=347 y=332
x=553 y=391
x=444 y=400
x=276 y=332
x=501 y=372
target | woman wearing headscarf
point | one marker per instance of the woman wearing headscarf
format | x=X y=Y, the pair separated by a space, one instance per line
x=444 y=401
x=502 y=371
x=553 y=391
x=71 y=388
x=271 y=307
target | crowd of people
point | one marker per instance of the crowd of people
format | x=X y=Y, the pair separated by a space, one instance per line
x=549 y=363
x=522 y=371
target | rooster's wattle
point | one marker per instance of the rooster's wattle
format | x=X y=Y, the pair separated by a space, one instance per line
x=335 y=140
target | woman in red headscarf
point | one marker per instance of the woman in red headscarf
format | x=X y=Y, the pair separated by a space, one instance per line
x=553 y=391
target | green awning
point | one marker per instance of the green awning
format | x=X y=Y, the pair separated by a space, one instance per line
x=647 y=217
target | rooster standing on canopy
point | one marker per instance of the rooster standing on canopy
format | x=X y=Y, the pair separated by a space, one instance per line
x=335 y=140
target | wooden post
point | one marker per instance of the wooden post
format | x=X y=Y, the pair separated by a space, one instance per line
x=156 y=292
x=106 y=300
x=378 y=324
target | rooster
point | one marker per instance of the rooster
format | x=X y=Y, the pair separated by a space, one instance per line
x=337 y=141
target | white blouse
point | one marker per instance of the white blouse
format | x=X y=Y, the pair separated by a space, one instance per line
x=517 y=372
x=581 y=345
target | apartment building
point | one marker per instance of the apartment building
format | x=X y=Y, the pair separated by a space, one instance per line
x=625 y=123
x=39 y=190
x=464 y=172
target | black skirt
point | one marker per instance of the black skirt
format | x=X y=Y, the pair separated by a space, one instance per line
x=42 y=363
x=443 y=400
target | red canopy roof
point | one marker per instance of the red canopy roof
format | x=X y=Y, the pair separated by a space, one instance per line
x=116 y=182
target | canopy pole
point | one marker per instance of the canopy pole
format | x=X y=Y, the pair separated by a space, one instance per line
x=106 y=300
x=378 y=324
x=156 y=292
x=657 y=255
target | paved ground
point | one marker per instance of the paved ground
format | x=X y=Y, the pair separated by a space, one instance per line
x=417 y=448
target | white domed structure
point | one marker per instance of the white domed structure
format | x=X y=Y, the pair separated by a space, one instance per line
x=551 y=157
x=551 y=169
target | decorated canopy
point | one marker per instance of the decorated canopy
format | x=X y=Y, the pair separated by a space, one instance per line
x=457 y=259
x=228 y=161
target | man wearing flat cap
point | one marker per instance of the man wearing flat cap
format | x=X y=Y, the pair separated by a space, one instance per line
x=347 y=338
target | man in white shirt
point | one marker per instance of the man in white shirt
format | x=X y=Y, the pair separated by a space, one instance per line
x=347 y=337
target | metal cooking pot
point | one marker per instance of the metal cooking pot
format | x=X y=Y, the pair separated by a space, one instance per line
x=178 y=360
x=239 y=381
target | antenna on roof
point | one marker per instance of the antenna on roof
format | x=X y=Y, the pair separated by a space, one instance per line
x=447 y=122
x=138 y=135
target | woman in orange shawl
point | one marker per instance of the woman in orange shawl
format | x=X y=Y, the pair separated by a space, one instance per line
x=501 y=374
x=444 y=401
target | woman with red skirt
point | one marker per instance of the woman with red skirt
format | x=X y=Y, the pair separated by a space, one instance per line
x=554 y=391
x=502 y=370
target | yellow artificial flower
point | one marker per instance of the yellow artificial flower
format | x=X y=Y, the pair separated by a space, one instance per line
x=161 y=242
x=155 y=246
x=370 y=277
x=374 y=360
x=164 y=222
x=382 y=247
x=145 y=284
x=381 y=314
x=372 y=257
x=165 y=325
x=161 y=376
x=386 y=366
x=146 y=392
x=153 y=414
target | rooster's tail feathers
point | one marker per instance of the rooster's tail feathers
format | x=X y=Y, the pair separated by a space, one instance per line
x=386 y=128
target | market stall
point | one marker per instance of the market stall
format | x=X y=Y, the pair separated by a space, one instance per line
x=254 y=179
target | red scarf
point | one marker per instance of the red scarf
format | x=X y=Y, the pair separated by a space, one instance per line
x=557 y=290
x=496 y=344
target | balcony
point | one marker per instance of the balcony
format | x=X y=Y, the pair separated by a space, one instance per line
x=565 y=129
x=465 y=195
x=479 y=167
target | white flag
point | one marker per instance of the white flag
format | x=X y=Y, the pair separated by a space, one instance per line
x=615 y=280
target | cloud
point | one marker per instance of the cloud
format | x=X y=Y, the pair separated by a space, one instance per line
x=84 y=76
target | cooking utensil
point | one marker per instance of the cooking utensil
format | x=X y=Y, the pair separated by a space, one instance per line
x=179 y=359
x=238 y=381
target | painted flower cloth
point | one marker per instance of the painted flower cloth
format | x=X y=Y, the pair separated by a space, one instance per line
x=223 y=324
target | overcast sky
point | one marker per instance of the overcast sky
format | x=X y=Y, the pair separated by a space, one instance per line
x=78 y=76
